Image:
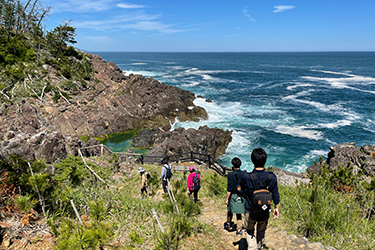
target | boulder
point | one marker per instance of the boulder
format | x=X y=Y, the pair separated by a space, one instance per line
x=350 y=155
x=205 y=140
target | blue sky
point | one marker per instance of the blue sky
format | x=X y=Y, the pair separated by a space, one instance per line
x=218 y=26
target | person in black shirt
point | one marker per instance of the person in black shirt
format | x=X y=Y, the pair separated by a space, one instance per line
x=259 y=158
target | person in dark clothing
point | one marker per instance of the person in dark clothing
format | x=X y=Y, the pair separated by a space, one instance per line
x=259 y=158
x=235 y=200
x=163 y=174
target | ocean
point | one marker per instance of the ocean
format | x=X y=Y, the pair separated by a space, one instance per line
x=295 y=105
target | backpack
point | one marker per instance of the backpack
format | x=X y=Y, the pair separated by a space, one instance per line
x=148 y=176
x=196 y=183
x=261 y=203
x=169 y=174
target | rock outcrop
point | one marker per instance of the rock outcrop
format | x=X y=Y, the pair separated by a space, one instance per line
x=205 y=140
x=45 y=145
x=348 y=154
x=111 y=103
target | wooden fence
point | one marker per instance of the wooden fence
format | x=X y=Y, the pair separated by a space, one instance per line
x=191 y=156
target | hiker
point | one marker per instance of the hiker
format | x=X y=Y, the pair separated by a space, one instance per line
x=235 y=200
x=145 y=176
x=193 y=183
x=258 y=199
x=166 y=174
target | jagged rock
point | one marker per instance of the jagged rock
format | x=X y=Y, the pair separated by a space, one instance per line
x=51 y=146
x=144 y=139
x=287 y=178
x=205 y=140
x=112 y=103
x=348 y=154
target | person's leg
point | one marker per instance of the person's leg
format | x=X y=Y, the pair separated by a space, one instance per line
x=229 y=217
x=261 y=232
x=239 y=223
x=165 y=183
x=249 y=227
x=195 y=196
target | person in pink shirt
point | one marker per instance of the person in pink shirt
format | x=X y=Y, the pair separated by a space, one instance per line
x=194 y=183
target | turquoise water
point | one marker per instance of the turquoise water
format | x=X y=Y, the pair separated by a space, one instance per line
x=295 y=105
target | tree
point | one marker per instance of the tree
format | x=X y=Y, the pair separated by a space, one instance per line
x=61 y=36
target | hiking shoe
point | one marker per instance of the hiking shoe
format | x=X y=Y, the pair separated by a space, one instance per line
x=227 y=226
x=239 y=232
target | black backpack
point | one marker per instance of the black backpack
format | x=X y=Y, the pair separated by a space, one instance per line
x=196 y=182
x=261 y=203
x=169 y=172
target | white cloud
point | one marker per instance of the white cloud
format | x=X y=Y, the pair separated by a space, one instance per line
x=245 y=12
x=130 y=6
x=148 y=25
x=136 y=22
x=282 y=8
x=79 y=6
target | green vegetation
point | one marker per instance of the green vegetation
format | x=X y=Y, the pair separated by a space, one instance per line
x=29 y=54
x=114 y=215
x=337 y=209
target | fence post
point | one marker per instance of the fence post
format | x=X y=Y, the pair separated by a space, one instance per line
x=76 y=211
x=101 y=149
x=209 y=161
x=142 y=159
x=191 y=155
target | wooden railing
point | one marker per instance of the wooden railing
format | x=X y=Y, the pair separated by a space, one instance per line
x=182 y=157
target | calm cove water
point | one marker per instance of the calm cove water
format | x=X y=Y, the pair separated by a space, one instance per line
x=294 y=105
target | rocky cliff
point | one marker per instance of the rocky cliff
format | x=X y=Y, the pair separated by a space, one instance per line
x=49 y=126
x=362 y=158
x=111 y=103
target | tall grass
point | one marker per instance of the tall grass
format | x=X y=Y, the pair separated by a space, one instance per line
x=334 y=209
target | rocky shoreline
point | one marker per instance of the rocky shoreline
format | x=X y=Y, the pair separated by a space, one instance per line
x=50 y=127
x=114 y=102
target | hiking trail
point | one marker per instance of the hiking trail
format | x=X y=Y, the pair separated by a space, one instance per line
x=215 y=214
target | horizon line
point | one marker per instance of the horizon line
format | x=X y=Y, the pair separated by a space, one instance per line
x=302 y=51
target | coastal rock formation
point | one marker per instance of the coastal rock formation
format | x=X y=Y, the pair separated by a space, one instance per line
x=348 y=154
x=205 y=140
x=111 y=103
x=45 y=145
x=286 y=178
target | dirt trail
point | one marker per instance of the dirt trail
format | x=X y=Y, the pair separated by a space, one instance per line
x=215 y=214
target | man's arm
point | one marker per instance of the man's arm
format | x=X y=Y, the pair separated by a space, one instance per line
x=227 y=199
x=162 y=173
x=276 y=212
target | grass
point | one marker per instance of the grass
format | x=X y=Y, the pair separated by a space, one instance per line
x=335 y=209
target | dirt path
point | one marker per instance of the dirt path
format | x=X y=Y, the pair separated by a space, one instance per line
x=215 y=214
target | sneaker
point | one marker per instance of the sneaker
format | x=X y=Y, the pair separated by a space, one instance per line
x=227 y=226
x=239 y=232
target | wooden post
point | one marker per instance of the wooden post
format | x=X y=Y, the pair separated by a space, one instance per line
x=37 y=190
x=76 y=211
x=155 y=215
x=142 y=159
x=171 y=196
x=92 y=171
x=101 y=149
x=300 y=209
